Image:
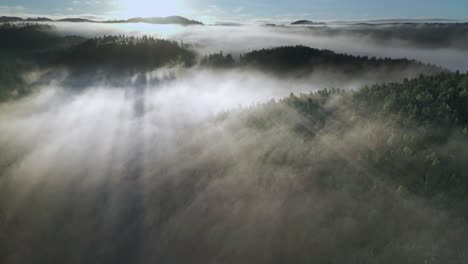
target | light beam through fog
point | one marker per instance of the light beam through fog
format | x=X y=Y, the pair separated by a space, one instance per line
x=123 y=149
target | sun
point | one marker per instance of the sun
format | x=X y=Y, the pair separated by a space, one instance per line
x=150 y=8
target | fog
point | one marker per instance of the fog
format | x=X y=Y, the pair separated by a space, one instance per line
x=188 y=93
x=241 y=39
x=169 y=169
x=200 y=165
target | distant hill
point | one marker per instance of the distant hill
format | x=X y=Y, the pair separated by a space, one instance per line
x=306 y=22
x=38 y=19
x=10 y=19
x=424 y=35
x=406 y=20
x=75 y=20
x=150 y=20
x=164 y=20
x=19 y=19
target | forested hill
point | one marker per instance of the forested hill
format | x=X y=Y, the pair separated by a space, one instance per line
x=131 y=51
x=297 y=57
x=40 y=44
x=30 y=37
x=302 y=60
x=30 y=46
x=440 y=101
x=123 y=52
x=413 y=134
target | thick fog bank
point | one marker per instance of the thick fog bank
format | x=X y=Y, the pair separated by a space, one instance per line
x=241 y=39
x=159 y=172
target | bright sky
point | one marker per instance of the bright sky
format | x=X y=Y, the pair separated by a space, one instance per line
x=242 y=9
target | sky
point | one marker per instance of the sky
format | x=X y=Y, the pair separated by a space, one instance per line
x=240 y=10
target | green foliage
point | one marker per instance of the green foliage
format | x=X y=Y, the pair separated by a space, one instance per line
x=420 y=142
x=440 y=100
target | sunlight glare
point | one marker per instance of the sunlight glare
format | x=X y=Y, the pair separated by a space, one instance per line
x=151 y=8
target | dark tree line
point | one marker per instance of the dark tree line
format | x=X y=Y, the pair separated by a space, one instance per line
x=218 y=60
x=122 y=51
x=303 y=60
x=28 y=46
x=29 y=37
x=39 y=44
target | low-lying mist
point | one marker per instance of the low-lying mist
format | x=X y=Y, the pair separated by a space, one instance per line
x=182 y=166
x=184 y=94
x=398 y=41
